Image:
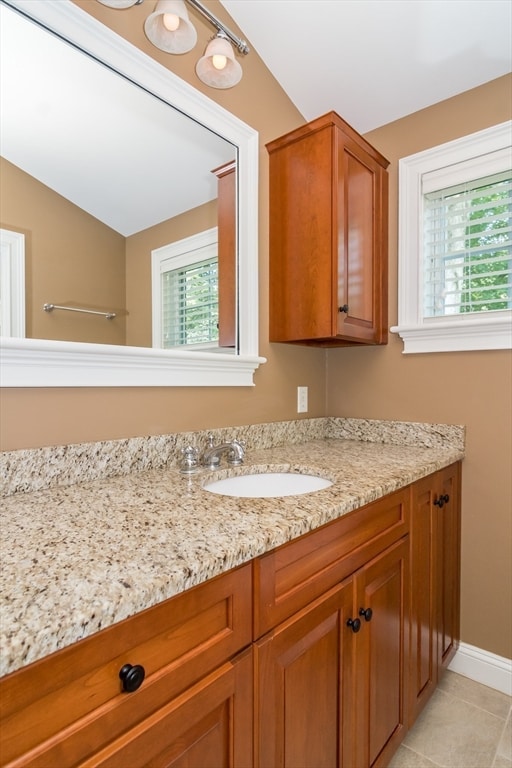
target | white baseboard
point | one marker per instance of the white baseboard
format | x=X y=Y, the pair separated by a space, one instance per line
x=484 y=667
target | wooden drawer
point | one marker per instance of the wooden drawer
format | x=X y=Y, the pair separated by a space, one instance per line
x=293 y=575
x=60 y=709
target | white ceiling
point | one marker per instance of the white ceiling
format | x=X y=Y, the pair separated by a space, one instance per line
x=109 y=147
x=374 y=61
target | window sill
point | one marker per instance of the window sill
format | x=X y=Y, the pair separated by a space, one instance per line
x=456 y=336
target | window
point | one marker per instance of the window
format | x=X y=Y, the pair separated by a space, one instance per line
x=186 y=293
x=190 y=304
x=467 y=247
x=455 y=245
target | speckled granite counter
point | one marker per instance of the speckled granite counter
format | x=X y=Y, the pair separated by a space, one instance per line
x=78 y=558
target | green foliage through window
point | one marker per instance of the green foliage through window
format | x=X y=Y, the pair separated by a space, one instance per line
x=468 y=247
x=190 y=304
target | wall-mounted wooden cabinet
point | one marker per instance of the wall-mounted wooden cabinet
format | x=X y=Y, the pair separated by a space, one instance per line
x=328 y=237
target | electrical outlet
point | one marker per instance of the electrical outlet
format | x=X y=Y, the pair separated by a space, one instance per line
x=302 y=399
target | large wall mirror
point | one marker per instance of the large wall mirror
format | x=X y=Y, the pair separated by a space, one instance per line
x=116 y=173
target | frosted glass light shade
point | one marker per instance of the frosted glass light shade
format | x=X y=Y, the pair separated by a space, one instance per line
x=118 y=3
x=209 y=74
x=182 y=39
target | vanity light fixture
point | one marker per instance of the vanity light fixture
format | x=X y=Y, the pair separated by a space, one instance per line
x=218 y=67
x=170 y=29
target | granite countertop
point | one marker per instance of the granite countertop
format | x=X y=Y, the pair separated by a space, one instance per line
x=79 y=558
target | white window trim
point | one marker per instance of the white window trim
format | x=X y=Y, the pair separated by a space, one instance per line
x=12 y=281
x=461 y=333
x=180 y=253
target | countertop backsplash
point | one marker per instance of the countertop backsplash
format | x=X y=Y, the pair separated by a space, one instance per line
x=37 y=469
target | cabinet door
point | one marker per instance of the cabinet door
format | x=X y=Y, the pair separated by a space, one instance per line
x=301 y=232
x=381 y=656
x=360 y=311
x=209 y=726
x=448 y=563
x=435 y=581
x=302 y=669
x=423 y=677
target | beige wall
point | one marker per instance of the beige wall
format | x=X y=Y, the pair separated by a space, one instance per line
x=71 y=258
x=468 y=388
x=471 y=388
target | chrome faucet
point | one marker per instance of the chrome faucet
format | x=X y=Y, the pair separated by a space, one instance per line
x=190 y=461
x=235 y=451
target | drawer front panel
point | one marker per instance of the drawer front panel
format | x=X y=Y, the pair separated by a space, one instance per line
x=288 y=578
x=177 y=643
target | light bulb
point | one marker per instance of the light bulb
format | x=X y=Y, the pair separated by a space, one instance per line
x=219 y=61
x=171 y=21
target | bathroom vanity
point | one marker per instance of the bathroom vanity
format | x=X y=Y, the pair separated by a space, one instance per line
x=171 y=626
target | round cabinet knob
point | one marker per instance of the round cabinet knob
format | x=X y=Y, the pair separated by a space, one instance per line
x=439 y=502
x=354 y=624
x=344 y=308
x=132 y=677
x=445 y=498
x=366 y=613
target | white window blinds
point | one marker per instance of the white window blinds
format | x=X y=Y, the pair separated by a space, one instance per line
x=468 y=247
x=190 y=304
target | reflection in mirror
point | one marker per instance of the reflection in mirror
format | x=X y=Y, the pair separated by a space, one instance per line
x=37 y=362
x=97 y=174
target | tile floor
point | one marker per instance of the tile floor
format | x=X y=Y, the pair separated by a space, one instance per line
x=464 y=725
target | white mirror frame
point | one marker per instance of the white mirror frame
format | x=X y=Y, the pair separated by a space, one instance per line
x=44 y=363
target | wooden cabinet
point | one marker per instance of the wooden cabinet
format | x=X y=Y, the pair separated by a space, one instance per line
x=328 y=237
x=302 y=669
x=435 y=557
x=209 y=726
x=380 y=651
x=227 y=250
x=318 y=653
x=70 y=708
x=330 y=678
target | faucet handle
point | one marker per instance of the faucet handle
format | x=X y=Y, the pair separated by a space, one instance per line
x=237 y=453
x=190 y=462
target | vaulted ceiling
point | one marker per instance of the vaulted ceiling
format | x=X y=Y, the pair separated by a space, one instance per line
x=374 y=61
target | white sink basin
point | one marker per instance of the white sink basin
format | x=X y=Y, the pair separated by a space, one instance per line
x=267 y=484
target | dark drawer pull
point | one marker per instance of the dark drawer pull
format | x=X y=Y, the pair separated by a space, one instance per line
x=367 y=613
x=132 y=677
